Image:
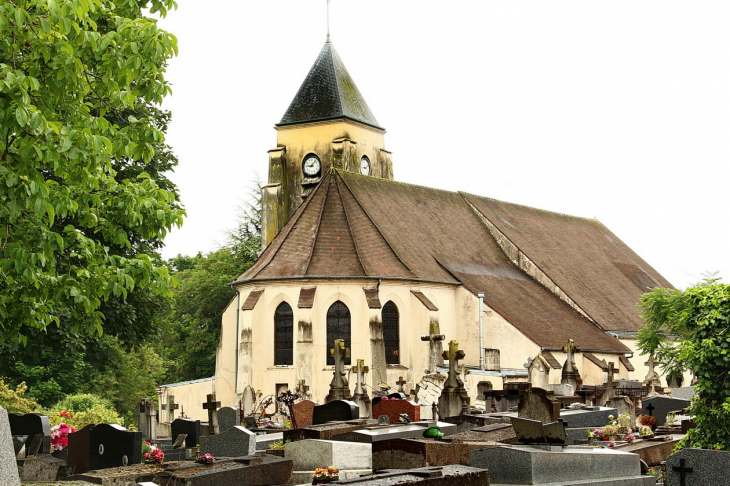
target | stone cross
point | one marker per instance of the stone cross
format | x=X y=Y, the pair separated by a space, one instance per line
x=170 y=407
x=434 y=343
x=360 y=371
x=339 y=353
x=652 y=377
x=682 y=470
x=400 y=384
x=212 y=406
x=454 y=354
x=570 y=374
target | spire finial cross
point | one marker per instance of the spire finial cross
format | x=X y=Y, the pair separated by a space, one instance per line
x=328 y=20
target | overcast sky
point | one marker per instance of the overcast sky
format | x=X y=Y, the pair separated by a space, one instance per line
x=615 y=110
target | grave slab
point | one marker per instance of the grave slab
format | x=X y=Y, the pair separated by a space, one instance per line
x=120 y=476
x=40 y=468
x=8 y=467
x=328 y=430
x=660 y=405
x=262 y=470
x=452 y=475
x=234 y=442
x=376 y=434
x=559 y=465
x=415 y=453
x=308 y=455
x=652 y=452
x=265 y=441
x=698 y=467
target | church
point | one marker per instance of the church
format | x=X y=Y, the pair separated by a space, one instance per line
x=398 y=271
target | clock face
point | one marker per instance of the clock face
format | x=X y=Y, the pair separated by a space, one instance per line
x=311 y=166
x=364 y=166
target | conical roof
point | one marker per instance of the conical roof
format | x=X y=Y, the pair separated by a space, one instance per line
x=328 y=92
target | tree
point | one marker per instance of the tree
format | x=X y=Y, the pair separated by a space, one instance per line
x=690 y=330
x=68 y=67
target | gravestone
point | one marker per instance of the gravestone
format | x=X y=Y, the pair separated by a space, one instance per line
x=698 y=467
x=248 y=400
x=435 y=347
x=685 y=392
x=570 y=373
x=234 y=442
x=112 y=445
x=538 y=371
x=651 y=380
x=361 y=397
x=539 y=404
x=352 y=459
x=454 y=399
x=228 y=417
x=339 y=388
x=393 y=409
x=31 y=424
x=8 y=467
x=189 y=427
x=660 y=405
x=531 y=432
x=303 y=412
x=334 y=411
x=212 y=406
x=79 y=444
x=170 y=407
x=147 y=419
x=610 y=384
x=623 y=406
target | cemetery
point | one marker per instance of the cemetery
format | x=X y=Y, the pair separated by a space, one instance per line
x=537 y=439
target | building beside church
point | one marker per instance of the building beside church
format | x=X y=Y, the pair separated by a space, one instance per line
x=349 y=253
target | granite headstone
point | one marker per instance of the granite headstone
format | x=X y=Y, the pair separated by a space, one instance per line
x=79 y=444
x=660 y=405
x=189 y=427
x=112 y=445
x=8 y=467
x=538 y=404
x=394 y=408
x=334 y=411
x=31 y=424
x=303 y=413
x=698 y=467
x=237 y=441
x=228 y=417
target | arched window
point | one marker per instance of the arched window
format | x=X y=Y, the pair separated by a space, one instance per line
x=284 y=335
x=391 y=335
x=338 y=327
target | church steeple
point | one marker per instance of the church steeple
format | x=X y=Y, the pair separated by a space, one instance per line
x=328 y=92
x=328 y=124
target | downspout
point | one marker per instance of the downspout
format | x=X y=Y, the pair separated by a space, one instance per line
x=235 y=341
x=481 y=330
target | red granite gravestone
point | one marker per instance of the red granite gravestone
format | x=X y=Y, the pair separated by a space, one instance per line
x=393 y=409
x=303 y=413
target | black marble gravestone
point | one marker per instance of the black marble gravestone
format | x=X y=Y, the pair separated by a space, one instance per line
x=335 y=411
x=186 y=426
x=112 y=445
x=31 y=424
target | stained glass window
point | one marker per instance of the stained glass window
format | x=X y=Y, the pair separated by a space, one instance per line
x=338 y=327
x=284 y=335
x=390 y=333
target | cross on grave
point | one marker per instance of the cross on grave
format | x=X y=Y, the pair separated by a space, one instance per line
x=171 y=406
x=610 y=383
x=288 y=398
x=302 y=389
x=212 y=407
x=682 y=470
x=650 y=408
x=570 y=374
x=339 y=353
x=400 y=384
x=434 y=341
x=454 y=354
x=360 y=371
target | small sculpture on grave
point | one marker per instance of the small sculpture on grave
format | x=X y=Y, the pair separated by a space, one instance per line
x=454 y=399
x=339 y=388
x=570 y=374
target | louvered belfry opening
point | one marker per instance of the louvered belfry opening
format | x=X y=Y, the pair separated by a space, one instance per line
x=284 y=335
x=391 y=336
x=338 y=327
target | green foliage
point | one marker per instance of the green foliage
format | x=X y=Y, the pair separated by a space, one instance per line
x=82 y=402
x=68 y=67
x=690 y=330
x=14 y=401
x=80 y=410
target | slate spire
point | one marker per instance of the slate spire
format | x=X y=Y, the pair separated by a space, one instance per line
x=328 y=92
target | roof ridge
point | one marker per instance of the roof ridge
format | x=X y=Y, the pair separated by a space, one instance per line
x=319 y=219
x=347 y=221
x=532 y=207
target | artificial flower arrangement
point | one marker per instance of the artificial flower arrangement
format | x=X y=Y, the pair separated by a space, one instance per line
x=617 y=427
x=59 y=435
x=151 y=454
x=205 y=459
x=323 y=475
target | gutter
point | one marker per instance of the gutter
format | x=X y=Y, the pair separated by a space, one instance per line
x=235 y=340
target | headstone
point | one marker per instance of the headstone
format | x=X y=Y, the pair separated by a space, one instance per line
x=79 y=444
x=660 y=405
x=571 y=374
x=180 y=441
x=336 y=410
x=287 y=398
x=189 y=427
x=303 y=390
x=212 y=406
x=401 y=383
x=31 y=424
x=302 y=412
x=454 y=399
x=393 y=409
x=623 y=406
x=531 y=432
x=8 y=467
x=339 y=388
x=539 y=371
x=19 y=445
x=610 y=383
x=228 y=417
x=588 y=416
x=352 y=459
x=234 y=442
x=561 y=389
x=361 y=397
x=248 y=400
x=539 y=404
x=170 y=407
x=147 y=419
x=560 y=465
x=698 y=467
x=112 y=445
x=685 y=392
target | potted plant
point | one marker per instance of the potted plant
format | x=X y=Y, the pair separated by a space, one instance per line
x=325 y=475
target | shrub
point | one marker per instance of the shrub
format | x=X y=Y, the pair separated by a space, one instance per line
x=14 y=401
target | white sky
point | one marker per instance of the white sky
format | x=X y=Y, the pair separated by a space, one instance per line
x=618 y=110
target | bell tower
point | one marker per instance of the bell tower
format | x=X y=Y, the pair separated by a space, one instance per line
x=328 y=124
